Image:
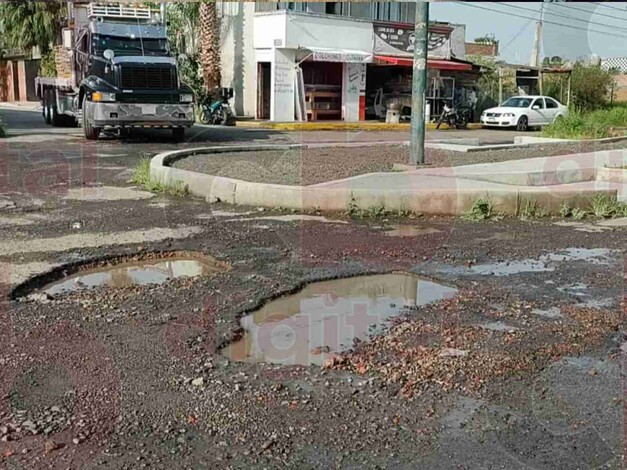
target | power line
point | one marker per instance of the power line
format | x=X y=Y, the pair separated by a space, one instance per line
x=618 y=28
x=516 y=35
x=545 y=21
x=570 y=7
x=608 y=6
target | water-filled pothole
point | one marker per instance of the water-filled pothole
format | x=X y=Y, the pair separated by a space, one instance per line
x=144 y=272
x=327 y=317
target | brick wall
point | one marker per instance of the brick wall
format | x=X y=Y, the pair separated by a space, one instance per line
x=472 y=48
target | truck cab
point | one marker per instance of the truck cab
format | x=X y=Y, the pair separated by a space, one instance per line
x=122 y=74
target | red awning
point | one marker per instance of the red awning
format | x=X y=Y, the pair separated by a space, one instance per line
x=441 y=64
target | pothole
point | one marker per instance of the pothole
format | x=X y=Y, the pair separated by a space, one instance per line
x=328 y=317
x=151 y=268
x=410 y=231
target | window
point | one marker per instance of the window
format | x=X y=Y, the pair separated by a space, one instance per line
x=551 y=104
x=539 y=102
x=362 y=9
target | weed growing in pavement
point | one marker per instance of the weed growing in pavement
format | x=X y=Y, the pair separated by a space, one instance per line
x=579 y=214
x=565 y=209
x=607 y=206
x=533 y=210
x=374 y=212
x=141 y=176
x=482 y=209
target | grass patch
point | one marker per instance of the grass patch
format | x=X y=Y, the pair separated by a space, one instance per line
x=533 y=210
x=141 y=177
x=607 y=206
x=593 y=125
x=482 y=209
x=378 y=211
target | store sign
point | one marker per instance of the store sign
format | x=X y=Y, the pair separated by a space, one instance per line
x=399 y=40
x=342 y=56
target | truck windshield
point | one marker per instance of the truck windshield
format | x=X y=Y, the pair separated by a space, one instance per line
x=129 y=46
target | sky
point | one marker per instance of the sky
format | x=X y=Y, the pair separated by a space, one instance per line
x=571 y=30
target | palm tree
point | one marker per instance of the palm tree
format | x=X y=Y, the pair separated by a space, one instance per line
x=209 y=43
x=27 y=24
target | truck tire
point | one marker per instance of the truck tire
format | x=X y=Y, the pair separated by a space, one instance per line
x=178 y=134
x=91 y=132
x=46 y=100
x=56 y=119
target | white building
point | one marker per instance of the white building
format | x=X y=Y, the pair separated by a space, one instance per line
x=334 y=60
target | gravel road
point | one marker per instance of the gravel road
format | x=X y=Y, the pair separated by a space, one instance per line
x=312 y=166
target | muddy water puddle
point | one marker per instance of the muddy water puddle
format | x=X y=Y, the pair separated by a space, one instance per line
x=327 y=317
x=135 y=273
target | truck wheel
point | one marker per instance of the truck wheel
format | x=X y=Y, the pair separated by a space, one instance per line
x=178 y=134
x=56 y=119
x=91 y=133
x=46 y=111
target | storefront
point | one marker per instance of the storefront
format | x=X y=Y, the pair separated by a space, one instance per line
x=327 y=67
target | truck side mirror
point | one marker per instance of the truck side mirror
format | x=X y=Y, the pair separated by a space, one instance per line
x=68 y=38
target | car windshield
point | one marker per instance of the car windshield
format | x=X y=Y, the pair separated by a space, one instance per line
x=517 y=103
x=129 y=46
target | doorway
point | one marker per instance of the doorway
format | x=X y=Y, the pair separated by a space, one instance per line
x=263 y=92
x=16 y=81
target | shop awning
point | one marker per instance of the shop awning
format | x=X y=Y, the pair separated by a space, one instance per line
x=440 y=64
x=323 y=54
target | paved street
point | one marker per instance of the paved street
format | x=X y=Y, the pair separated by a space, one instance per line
x=503 y=348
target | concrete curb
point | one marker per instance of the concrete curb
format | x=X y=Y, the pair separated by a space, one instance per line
x=612 y=175
x=337 y=126
x=446 y=201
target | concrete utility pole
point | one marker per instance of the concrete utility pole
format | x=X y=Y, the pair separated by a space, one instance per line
x=537 y=42
x=419 y=84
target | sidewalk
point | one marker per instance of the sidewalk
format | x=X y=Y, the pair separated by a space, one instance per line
x=23 y=105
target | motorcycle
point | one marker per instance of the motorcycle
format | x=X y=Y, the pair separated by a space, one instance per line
x=457 y=119
x=215 y=108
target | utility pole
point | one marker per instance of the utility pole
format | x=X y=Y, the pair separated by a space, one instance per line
x=537 y=42
x=419 y=84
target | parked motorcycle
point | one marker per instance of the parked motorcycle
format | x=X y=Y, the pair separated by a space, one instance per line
x=215 y=108
x=455 y=118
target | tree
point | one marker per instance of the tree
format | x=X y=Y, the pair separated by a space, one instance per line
x=209 y=43
x=24 y=25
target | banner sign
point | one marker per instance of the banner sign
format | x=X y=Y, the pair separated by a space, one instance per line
x=342 y=56
x=399 y=40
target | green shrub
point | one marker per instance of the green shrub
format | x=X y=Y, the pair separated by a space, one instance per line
x=482 y=209
x=48 y=66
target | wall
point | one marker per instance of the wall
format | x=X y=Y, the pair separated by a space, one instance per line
x=269 y=30
x=458 y=41
x=472 y=48
x=283 y=85
x=238 y=54
x=328 y=32
x=353 y=92
x=620 y=92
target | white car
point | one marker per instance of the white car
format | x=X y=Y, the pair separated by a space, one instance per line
x=524 y=112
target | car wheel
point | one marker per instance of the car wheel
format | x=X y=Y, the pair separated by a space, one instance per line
x=523 y=124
